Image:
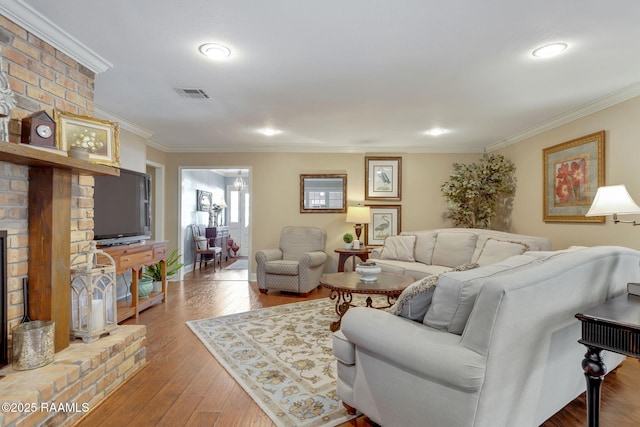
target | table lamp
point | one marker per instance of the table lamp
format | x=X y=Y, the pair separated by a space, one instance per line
x=614 y=200
x=358 y=215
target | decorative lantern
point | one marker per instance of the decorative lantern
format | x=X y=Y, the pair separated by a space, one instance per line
x=93 y=296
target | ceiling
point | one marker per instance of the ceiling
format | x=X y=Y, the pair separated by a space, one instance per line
x=351 y=75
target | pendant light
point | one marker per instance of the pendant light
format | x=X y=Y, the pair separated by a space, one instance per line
x=239 y=183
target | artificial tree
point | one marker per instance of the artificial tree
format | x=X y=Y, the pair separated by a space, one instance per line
x=476 y=191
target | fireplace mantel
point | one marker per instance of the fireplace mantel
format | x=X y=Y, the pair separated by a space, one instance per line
x=50 y=230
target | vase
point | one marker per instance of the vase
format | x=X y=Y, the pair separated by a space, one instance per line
x=145 y=286
x=368 y=271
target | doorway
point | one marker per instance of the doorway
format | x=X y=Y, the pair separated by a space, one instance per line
x=222 y=185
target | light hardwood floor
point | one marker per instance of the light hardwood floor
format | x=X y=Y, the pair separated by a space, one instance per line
x=184 y=385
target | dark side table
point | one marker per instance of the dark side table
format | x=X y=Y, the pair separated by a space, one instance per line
x=614 y=326
x=362 y=253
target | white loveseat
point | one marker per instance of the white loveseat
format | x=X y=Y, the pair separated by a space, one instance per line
x=423 y=253
x=497 y=347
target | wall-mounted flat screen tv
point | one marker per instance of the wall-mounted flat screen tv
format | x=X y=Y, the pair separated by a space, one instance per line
x=122 y=208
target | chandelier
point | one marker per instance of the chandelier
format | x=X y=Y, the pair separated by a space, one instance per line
x=239 y=183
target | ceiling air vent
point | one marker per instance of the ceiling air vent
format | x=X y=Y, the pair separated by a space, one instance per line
x=193 y=93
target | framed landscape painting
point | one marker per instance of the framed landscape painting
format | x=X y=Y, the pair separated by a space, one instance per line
x=383 y=178
x=572 y=173
x=385 y=221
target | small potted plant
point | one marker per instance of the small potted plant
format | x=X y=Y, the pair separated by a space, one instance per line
x=154 y=272
x=347 y=238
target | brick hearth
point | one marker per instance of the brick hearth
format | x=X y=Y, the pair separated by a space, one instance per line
x=76 y=381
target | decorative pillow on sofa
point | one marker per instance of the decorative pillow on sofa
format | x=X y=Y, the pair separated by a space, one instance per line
x=453 y=248
x=399 y=248
x=495 y=250
x=414 y=301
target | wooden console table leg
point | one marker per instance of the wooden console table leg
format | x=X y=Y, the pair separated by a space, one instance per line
x=594 y=371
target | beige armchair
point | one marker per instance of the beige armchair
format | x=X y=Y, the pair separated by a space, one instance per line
x=297 y=265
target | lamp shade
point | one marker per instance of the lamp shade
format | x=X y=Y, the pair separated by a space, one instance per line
x=359 y=214
x=612 y=200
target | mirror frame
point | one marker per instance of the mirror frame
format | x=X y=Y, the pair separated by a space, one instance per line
x=304 y=177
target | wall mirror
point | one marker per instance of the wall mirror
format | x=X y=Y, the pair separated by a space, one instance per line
x=323 y=193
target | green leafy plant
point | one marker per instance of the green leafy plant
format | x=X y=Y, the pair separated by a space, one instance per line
x=154 y=271
x=476 y=191
x=347 y=237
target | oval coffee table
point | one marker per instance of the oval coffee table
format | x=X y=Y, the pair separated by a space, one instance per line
x=344 y=285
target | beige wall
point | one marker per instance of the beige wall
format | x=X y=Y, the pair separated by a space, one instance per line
x=275 y=191
x=621 y=124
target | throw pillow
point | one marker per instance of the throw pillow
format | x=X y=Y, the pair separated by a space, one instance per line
x=414 y=301
x=453 y=248
x=495 y=250
x=399 y=248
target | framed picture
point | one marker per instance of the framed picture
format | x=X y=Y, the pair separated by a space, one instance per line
x=99 y=137
x=383 y=178
x=385 y=221
x=203 y=200
x=572 y=173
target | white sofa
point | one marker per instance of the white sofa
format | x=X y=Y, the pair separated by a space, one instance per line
x=497 y=347
x=423 y=253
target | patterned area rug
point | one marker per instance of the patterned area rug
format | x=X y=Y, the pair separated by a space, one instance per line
x=241 y=264
x=282 y=356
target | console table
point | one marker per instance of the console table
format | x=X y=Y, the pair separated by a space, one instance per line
x=135 y=257
x=613 y=326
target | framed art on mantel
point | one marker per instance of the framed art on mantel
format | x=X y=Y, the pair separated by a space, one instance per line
x=383 y=178
x=100 y=138
x=386 y=220
x=572 y=173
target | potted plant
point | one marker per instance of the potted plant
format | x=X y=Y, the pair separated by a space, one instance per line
x=347 y=238
x=154 y=272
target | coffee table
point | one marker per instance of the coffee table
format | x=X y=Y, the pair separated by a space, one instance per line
x=344 y=285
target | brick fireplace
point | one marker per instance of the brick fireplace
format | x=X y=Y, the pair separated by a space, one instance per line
x=46 y=208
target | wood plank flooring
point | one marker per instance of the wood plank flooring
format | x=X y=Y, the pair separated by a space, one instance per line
x=183 y=384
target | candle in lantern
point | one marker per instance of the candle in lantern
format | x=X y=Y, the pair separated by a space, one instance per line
x=97 y=314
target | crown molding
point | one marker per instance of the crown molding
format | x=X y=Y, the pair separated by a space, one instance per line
x=594 y=106
x=39 y=25
x=125 y=124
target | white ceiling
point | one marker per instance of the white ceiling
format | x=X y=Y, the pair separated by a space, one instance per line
x=353 y=75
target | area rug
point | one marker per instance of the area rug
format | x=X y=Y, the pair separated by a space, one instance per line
x=241 y=264
x=282 y=357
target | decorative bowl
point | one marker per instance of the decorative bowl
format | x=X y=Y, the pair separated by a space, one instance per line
x=368 y=271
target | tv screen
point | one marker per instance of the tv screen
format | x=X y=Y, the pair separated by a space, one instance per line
x=122 y=208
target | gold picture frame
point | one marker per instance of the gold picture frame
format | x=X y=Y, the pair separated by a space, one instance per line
x=572 y=173
x=383 y=178
x=386 y=221
x=99 y=137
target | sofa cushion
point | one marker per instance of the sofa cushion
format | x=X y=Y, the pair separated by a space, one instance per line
x=399 y=248
x=417 y=270
x=423 y=250
x=414 y=301
x=453 y=248
x=495 y=250
x=456 y=293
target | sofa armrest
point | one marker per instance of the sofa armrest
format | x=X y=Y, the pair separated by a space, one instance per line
x=415 y=347
x=313 y=259
x=268 y=255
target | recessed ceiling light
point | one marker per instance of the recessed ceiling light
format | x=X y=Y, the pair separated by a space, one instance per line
x=215 y=51
x=269 y=131
x=549 y=50
x=435 y=132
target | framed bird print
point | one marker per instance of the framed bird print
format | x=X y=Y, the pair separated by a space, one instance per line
x=385 y=221
x=383 y=178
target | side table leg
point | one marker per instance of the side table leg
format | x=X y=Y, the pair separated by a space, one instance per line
x=594 y=371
